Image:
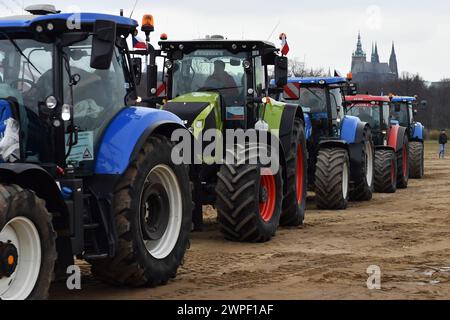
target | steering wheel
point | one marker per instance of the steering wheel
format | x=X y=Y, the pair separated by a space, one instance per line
x=14 y=83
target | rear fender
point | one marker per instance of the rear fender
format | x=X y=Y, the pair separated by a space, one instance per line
x=35 y=178
x=127 y=133
x=417 y=132
x=396 y=137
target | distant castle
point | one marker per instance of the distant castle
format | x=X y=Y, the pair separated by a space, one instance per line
x=373 y=70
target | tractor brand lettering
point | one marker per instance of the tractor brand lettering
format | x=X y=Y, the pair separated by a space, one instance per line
x=253 y=147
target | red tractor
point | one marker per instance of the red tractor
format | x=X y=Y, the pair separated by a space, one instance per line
x=390 y=139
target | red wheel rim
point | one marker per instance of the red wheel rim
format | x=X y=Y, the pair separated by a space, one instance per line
x=300 y=175
x=405 y=161
x=267 y=203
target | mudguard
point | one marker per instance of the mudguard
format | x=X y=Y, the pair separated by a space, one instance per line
x=127 y=133
x=33 y=177
x=396 y=137
x=333 y=144
x=417 y=132
x=352 y=129
x=290 y=113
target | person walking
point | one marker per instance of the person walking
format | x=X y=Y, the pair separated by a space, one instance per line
x=443 y=139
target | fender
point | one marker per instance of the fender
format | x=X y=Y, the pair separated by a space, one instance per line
x=127 y=133
x=290 y=113
x=35 y=178
x=397 y=137
x=352 y=129
x=417 y=132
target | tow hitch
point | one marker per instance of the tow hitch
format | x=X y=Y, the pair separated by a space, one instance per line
x=8 y=259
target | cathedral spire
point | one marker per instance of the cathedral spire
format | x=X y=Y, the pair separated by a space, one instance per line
x=393 y=61
x=376 y=56
x=359 y=51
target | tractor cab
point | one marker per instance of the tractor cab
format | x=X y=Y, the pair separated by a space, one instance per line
x=322 y=99
x=63 y=77
x=216 y=83
x=375 y=110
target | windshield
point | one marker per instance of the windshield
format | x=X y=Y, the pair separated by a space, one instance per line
x=314 y=99
x=100 y=94
x=28 y=78
x=401 y=114
x=212 y=70
x=368 y=113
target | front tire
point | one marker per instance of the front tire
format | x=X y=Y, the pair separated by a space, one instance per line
x=294 y=201
x=152 y=207
x=248 y=202
x=364 y=186
x=332 y=179
x=385 y=171
x=26 y=228
x=403 y=165
x=416 y=154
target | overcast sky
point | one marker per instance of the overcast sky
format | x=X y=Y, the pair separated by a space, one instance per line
x=321 y=32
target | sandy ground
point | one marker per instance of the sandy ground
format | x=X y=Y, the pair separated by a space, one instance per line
x=407 y=235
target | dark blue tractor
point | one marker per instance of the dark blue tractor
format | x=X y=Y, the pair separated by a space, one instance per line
x=340 y=147
x=83 y=171
x=403 y=110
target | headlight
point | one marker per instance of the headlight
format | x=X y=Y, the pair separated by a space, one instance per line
x=51 y=102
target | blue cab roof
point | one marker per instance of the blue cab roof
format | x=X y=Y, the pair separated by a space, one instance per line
x=404 y=99
x=317 y=80
x=85 y=18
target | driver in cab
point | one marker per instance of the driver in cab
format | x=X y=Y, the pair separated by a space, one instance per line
x=222 y=80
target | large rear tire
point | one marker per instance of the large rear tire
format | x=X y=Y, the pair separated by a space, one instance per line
x=364 y=185
x=332 y=179
x=294 y=201
x=385 y=171
x=248 y=202
x=416 y=157
x=403 y=165
x=28 y=238
x=152 y=209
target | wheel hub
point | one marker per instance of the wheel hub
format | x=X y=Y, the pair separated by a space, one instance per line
x=8 y=259
x=154 y=212
x=263 y=194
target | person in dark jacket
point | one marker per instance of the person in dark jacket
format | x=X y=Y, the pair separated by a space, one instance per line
x=443 y=139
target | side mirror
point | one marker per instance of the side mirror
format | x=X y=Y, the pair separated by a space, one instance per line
x=103 y=44
x=281 y=71
x=424 y=103
x=136 y=64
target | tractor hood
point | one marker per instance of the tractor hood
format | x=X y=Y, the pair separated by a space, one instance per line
x=193 y=106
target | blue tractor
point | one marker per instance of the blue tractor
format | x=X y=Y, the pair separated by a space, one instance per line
x=84 y=173
x=340 y=147
x=403 y=110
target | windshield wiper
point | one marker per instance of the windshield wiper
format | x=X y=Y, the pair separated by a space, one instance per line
x=21 y=52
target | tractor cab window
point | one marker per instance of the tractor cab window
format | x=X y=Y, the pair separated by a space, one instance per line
x=260 y=77
x=26 y=76
x=399 y=112
x=314 y=99
x=212 y=71
x=100 y=94
x=337 y=109
x=386 y=113
x=367 y=113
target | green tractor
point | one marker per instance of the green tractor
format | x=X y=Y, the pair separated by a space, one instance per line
x=222 y=86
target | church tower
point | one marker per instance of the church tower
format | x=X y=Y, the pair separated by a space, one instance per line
x=359 y=56
x=393 y=61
